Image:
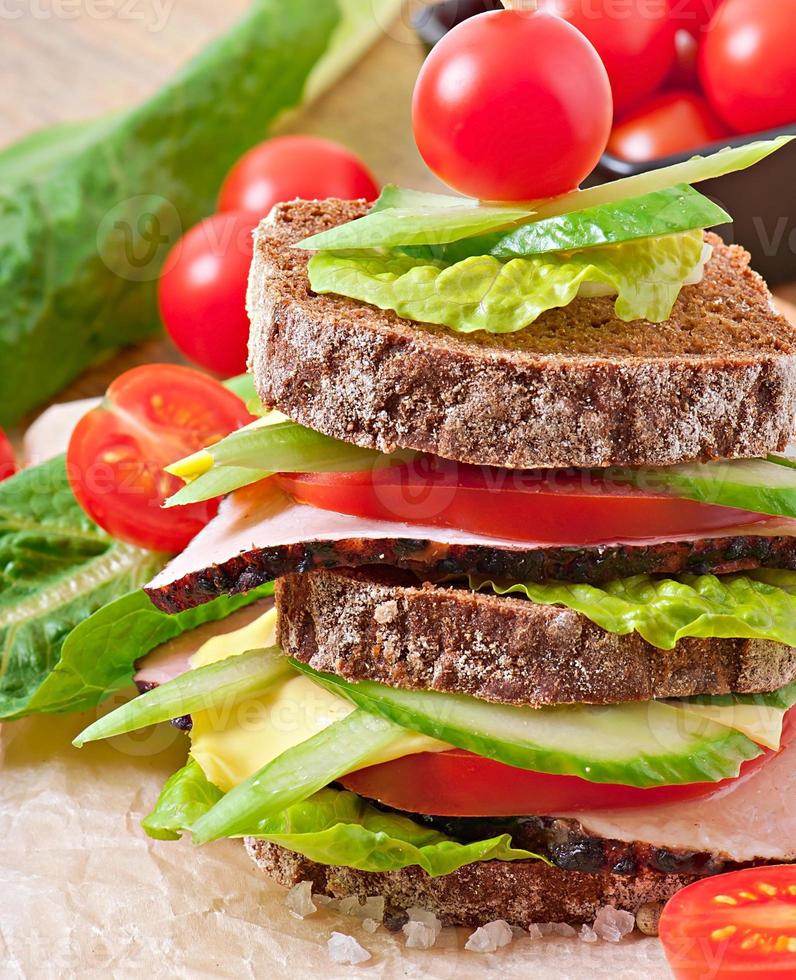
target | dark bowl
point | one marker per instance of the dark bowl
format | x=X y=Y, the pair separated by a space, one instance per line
x=762 y=201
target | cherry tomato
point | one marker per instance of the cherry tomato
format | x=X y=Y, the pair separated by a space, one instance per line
x=668 y=124
x=546 y=506
x=151 y=416
x=684 y=73
x=512 y=106
x=288 y=167
x=202 y=292
x=747 y=64
x=460 y=784
x=693 y=15
x=635 y=41
x=734 y=926
x=8 y=463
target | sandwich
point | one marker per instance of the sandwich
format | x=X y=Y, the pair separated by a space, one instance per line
x=518 y=523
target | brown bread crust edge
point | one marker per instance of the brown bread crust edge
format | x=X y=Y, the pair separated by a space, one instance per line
x=521 y=892
x=718 y=380
x=369 y=624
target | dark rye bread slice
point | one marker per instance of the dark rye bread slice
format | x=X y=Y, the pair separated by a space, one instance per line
x=521 y=892
x=576 y=388
x=380 y=624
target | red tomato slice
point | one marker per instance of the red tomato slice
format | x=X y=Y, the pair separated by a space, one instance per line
x=150 y=417
x=552 y=506
x=8 y=463
x=736 y=926
x=460 y=784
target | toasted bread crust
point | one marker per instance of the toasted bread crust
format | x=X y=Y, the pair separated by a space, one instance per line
x=521 y=892
x=375 y=624
x=576 y=388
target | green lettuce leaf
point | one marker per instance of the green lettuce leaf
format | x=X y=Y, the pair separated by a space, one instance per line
x=665 y=212
x=417 y=218
x=186 y=796
x=483 y=293
x=99 y=655
x=759 y=604
x=89 y=211
x=56 y=568
x=332 y=827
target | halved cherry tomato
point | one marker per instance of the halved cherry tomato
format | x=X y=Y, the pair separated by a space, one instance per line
x=151 y=416
x=288 y=167
x=460 y=784
x=8 y=463
x=735 y=926
x=670 y=123
x=552 y=506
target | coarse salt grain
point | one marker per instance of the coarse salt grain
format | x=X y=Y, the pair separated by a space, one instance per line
x=345 y=949
x=613 y=924
x=417 y=914
x=419 y=935
x=370 y=925
x=490 y=937
x=299 y=900
x=563 y=929
x=587 y=934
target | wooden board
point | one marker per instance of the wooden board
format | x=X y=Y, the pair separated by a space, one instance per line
x=63 y=61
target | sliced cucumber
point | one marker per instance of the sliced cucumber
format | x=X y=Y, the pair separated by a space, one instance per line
x=642 y=744
x=758 y=485
x=246 y=675
x=296 y=774
x=693 y=171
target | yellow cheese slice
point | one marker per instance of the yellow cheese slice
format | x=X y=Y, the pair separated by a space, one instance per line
x=233 y=741
x=759 y=722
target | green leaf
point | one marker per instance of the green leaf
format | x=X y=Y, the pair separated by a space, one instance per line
x=416 y=218
x=249 y=674
x=56 y=568
x=88 y=212
x=665 y=212
x=483 y=293
x=296 y=774
x=693 y=171
x=185 y=797
x=759 y=604
x=332 y=827
x=99 y=655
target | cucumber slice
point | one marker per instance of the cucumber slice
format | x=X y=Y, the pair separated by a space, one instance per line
x=246 y=675
x=296 y=774
x=758 y=485
x=642 y=744
x=693 y=171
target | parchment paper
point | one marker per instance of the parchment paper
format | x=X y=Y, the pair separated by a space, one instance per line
x=85 y=892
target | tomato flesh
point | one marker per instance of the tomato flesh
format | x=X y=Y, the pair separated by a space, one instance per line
x=552 y=506
x=151 y=416
x=460 y=784
x=737 y=926
x=8 y=463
